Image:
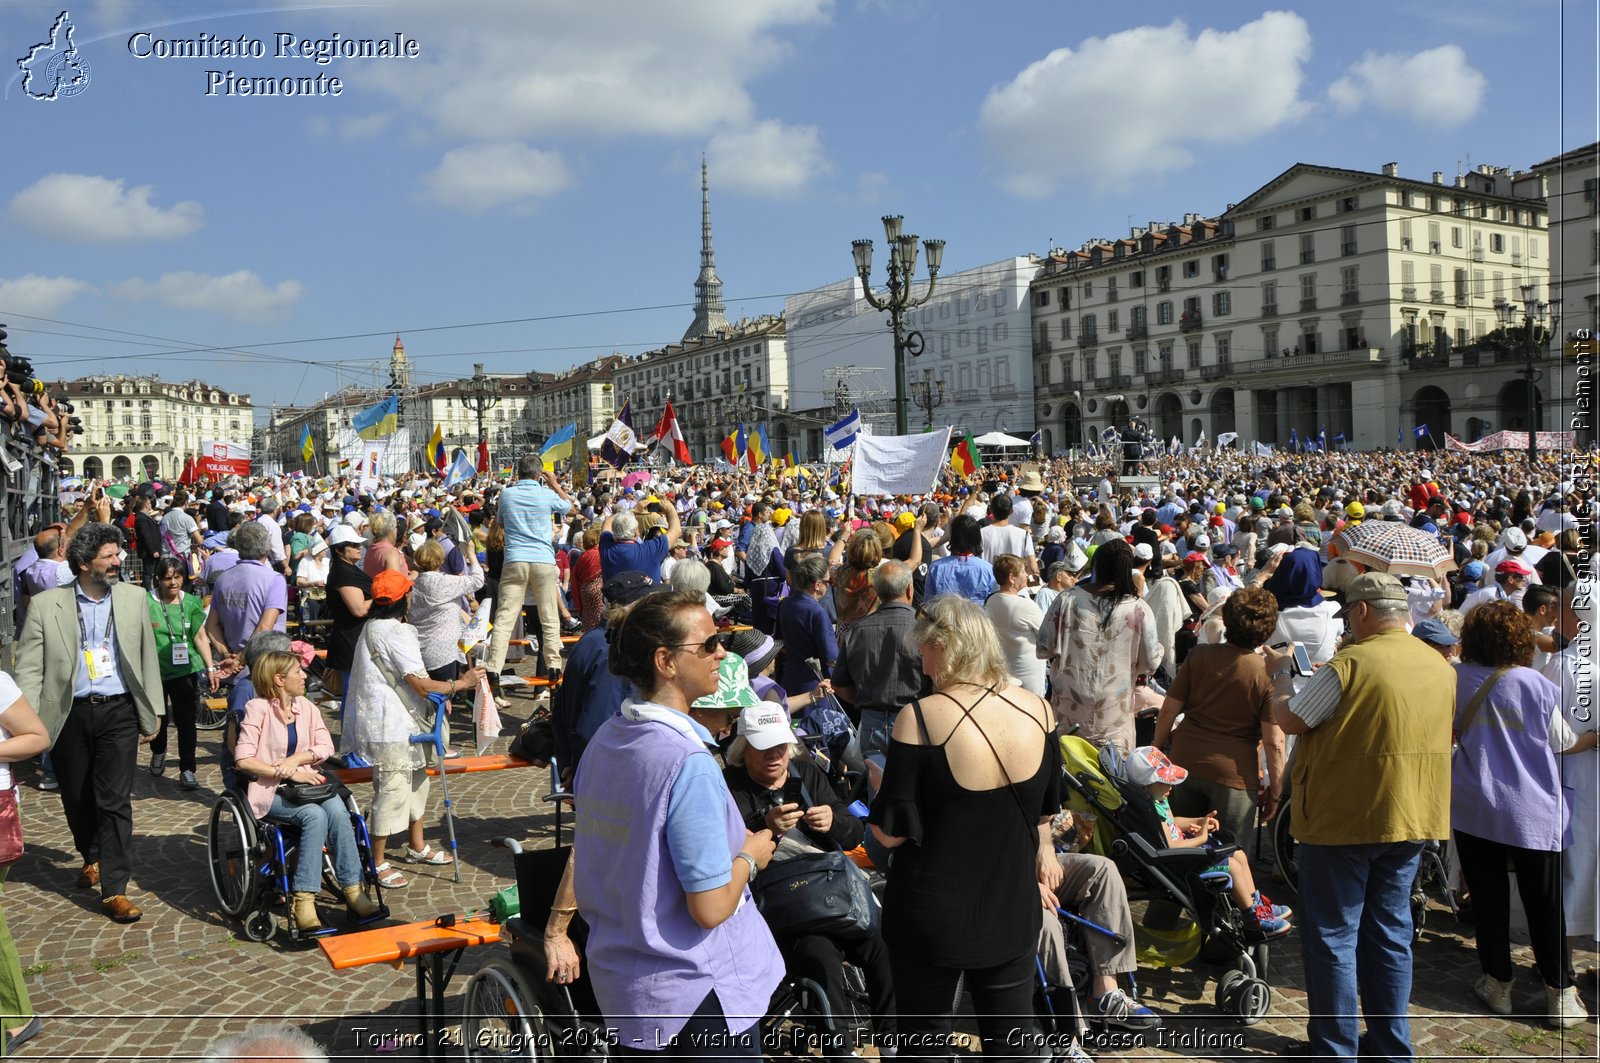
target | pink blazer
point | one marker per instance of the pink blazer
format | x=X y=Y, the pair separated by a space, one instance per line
x=264 y=736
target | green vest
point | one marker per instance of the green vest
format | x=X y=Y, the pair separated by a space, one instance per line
x=1379 y=769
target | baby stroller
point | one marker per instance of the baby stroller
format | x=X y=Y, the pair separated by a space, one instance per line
x=1190 y=909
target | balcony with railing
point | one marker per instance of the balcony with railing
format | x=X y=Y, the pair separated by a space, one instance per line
x=1041 y=346
x=1349 y=298
x=1215 y=372
x=1269 y=309
x=1121 y=380
x=1408 y=295
x=1308 y=303
x=1161 y=377
x=1111 y=295
x=1189 y=321
x=1138 y=332
x=1436 y=295
x=1089 y=339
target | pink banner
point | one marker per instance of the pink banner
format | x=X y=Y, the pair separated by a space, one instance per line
x=1509 y=440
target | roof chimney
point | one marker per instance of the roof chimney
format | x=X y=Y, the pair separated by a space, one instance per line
x=1438 y=177
x=1391 y=169
x=1461 y=180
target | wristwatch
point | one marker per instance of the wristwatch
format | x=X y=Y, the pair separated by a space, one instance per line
x=747 y=858
x=1282 y=672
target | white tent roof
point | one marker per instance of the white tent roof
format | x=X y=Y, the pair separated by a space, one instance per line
x=1000 y=439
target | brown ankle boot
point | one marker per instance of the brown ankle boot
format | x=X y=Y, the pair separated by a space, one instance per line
x=360 y=905
x=304 y=912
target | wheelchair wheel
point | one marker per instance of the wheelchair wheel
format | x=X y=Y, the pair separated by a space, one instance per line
x=260 y=926
x=231 y=842
x=1251 y=1001
x=1226 y=987
x=500 y=1019
x=1283 y=845
x=207 y=718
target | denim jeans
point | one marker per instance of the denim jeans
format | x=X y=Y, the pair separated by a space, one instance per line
x=873 y=737
x=1354 y=923
x=325 y=824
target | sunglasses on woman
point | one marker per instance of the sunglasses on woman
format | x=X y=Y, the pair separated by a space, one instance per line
x=703 y=649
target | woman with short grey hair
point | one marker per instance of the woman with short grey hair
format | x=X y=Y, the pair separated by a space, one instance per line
x=279 y=1041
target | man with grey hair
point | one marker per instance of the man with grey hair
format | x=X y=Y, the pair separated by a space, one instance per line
x=278 y=1043
x=879 y=670
x=251 y=596
x=268 y=519
x=1371 y=784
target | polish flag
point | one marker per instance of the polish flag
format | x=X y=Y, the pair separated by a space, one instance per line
x=669 y=435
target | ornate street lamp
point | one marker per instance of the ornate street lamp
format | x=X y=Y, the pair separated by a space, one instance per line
x=897 y=297
x=480 y=394
x=928 y=394
x=1533 y=314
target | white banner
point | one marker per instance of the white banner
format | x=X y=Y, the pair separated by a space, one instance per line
x=898 y=465
x=1509 y=440
x=370 y=466
x=219 y=458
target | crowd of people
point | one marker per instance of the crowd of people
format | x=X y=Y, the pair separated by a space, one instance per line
x=936 y=645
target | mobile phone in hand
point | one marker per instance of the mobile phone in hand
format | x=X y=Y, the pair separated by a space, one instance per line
x=1302 y=660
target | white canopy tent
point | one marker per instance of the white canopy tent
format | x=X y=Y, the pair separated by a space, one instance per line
x=1000 y=439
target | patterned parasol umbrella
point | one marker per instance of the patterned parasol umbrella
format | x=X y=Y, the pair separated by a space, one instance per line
x=1393 y=547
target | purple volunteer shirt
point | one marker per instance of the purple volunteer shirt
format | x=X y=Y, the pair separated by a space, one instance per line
x=243 y=593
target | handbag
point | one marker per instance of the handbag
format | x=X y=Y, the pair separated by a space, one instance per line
x=816 y=893
x=309 y=793
x=10 y=828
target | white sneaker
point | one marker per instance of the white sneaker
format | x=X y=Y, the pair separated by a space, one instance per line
x=1563 y=1008
x=1494 y=994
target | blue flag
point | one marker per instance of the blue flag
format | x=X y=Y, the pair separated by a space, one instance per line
x=461 y=470
x=1339 y=438
x=1421 y=430
x=1109 y=435
x=1294 y=439
x=378 y=421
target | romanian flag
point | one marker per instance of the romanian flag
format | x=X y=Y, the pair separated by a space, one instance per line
x=758 y=448
x=964 y=459
x=733 y=446
x=436 y=448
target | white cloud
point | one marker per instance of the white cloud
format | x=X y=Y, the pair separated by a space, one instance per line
x=490 y=175
x=87 y=209
x=767 y=158
x=606 y=67
x=241 y=296
x=34 y=296
x=1437 y=86
x=1133 y=102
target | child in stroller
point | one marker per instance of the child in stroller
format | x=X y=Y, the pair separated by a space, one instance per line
x=1151 y=769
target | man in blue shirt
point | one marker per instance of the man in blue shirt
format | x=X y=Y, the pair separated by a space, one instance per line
x=527 y=511
x=622 y=551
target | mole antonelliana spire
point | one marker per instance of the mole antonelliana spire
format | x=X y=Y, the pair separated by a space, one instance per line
x=708 y=308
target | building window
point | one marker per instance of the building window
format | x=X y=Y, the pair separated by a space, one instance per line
x=1455 y=236
x=1112 y=319
x=1350 y=284
x=1434 y=247
x=1140 y=362
x=1194 y=354
x=1266 y=222
x=1308 y=291
x=1308 y=337
x=1191 y=268
x=1086 y=327
x=1221 y=303
x=1269 y=256
x=1347 y=239
x=1041 y=298
x=1064 y=296
x=1308 y=248
x=1164 y=309
x=1088 y=367
x=1306 y=213
x=1224 y=341
x=1136 y=279
x=1269 y=341
x=1269 y=297
x=1405 y=234
x=1348 y=204
x=1164 y=355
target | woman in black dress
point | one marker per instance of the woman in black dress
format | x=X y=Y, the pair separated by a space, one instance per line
x=971 y=781
x=349 y=598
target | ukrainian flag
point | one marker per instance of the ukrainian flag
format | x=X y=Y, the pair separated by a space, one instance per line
x=558 y=446
x=305 y=442
x=378 y=421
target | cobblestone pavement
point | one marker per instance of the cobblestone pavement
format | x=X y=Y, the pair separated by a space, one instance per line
x=166 y=986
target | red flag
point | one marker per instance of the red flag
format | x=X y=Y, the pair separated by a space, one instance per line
x=669 y=434
x=187 y=476
x=483 y=456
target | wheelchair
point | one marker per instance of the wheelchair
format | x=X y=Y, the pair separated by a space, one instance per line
x=509 y=1010
x=251 y=863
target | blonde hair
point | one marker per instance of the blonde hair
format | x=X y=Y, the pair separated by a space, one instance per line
x=268 y=667
x=965 y=633
x=429 y=556
x=381 y=525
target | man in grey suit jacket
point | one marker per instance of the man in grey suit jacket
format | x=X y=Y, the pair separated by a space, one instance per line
x=87 y=659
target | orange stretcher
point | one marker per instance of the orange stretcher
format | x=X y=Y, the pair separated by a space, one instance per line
x=452 y=766
x=437 y=950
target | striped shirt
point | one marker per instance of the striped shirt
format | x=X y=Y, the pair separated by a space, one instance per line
x=1318 y=699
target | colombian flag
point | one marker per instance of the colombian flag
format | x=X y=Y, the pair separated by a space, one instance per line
x=436 y=447
x=964 y=459
x=758 y=448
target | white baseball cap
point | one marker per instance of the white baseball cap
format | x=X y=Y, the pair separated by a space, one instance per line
x=342 y=534
x=765 y=726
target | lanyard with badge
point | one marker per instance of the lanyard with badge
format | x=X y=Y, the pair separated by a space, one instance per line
x=97 y=659
x=180 y=649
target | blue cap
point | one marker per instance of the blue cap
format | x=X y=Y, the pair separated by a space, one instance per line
x=1434 y=632
x=1431 y=528
x=1472 y=570
x=349 y=508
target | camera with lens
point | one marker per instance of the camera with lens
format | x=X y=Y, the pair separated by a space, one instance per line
x=19 y=371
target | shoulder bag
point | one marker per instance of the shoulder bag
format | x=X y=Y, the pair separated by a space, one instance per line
x=823 y=893
x=1475 y=704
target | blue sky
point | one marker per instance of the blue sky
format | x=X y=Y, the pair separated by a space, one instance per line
x=525 y=193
